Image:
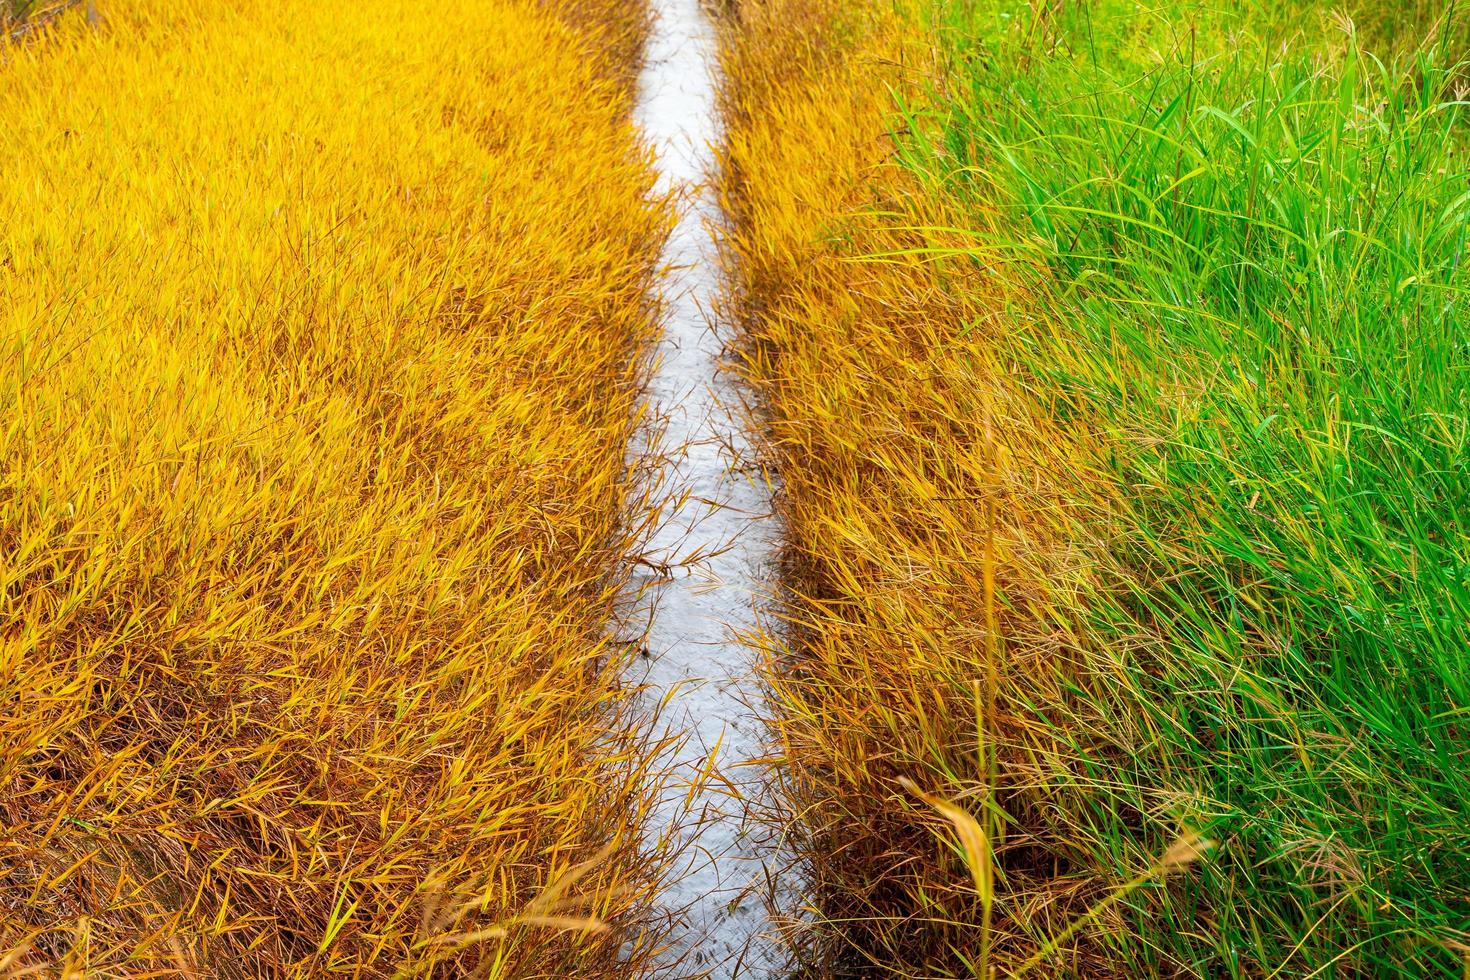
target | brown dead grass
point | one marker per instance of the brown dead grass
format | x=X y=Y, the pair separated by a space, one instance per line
x=921 y=498
x=615 y=34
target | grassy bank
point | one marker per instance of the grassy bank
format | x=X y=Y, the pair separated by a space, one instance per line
x=321 y=338
x=1246 y=262
x=880 y=415
x=1133 y=522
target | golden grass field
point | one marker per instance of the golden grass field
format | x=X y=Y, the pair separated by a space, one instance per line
x=323 y=331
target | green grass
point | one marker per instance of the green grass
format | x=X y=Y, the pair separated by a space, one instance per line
x=16 y=12
x=1244 y=257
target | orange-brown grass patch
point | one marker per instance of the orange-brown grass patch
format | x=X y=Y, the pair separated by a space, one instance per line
x=615 y=32
x=922 y=498
x=323 y=327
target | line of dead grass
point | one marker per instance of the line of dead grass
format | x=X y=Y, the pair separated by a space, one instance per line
x=924 y=502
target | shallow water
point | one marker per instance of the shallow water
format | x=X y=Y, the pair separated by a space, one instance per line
x=695 y=660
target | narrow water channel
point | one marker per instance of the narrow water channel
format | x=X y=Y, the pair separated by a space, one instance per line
x=695 y=665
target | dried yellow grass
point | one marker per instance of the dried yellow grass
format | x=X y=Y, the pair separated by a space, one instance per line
x=322 y=331
x=615 y=33
x=921 y=498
